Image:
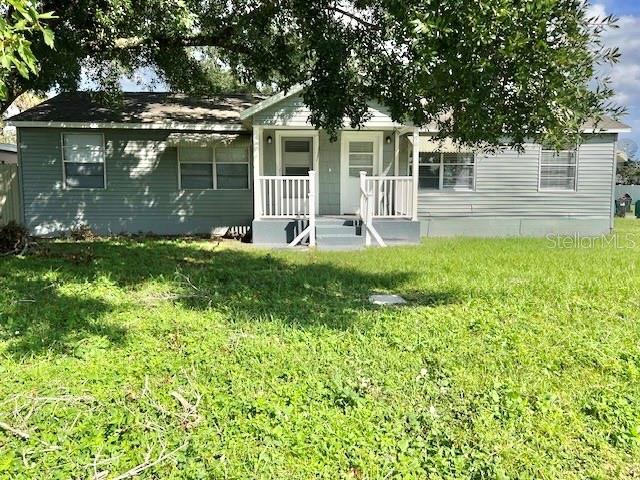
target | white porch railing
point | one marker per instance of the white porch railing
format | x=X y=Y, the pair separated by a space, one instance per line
x=384 y=197
x=290 y=197
x=391 y=197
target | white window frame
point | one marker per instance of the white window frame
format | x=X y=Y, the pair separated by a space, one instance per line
x=247 y=163
x=214 y=172
x=441 y=165
x=64 y=161
x=576 y=151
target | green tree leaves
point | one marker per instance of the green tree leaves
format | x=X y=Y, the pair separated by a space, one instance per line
x=18 y=22
x=481 y=72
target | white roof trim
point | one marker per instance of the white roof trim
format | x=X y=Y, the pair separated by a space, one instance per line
x=200 y=139
x=132 y=126
x=268 y=102
x=430 y=129
x=606 y=130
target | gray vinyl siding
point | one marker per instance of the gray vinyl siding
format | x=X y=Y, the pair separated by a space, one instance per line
x=142 y=192
x=507 y=201
x=329 y=175
x=269 y=153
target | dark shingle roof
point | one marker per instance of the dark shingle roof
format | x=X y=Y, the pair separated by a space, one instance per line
x=169 y=108
x=141 y=108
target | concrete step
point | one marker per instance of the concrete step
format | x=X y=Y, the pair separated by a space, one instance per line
x=337 y=221
x=339 y=240
x=331 y=229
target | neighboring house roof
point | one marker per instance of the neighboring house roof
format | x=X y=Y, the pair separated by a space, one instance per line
x=606 y=124
x=8 y=147
x=8 y=153
x=140 y=110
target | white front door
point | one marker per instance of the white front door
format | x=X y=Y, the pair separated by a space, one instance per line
x=359 y=152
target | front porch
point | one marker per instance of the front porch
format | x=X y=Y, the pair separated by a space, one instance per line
x=347 y=194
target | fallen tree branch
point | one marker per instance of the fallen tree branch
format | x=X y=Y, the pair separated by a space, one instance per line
x=18 y=433
x=148 y=464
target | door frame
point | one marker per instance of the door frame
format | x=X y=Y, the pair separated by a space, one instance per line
x=364 y=135
x=315 y=146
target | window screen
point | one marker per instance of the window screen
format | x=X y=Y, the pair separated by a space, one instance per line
x=297 y=146
x=196 y=168
x=84 y=160
x=446 y=171
x=361 y=158
x=558 y=169
x=232 y=168
x=196 y=175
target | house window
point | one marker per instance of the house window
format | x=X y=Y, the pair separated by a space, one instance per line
x=221 y=168
x=558 y=169
x=196 y=168
x=232 y=168
x=297 y=158
x=361 y=158
x=446 y=171
x=83 y=160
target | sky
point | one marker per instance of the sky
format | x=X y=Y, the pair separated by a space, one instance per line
x=625 y=75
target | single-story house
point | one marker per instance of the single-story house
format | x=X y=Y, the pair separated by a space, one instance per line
x=8 y=154
x=173 y=164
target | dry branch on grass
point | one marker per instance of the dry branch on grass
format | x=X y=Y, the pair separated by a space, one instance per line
x=15 y=431
x=148 y=463
x=197 y=291
x=14 y=239
x=190 y=416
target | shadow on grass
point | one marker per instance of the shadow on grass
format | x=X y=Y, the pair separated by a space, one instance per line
x=245 y=285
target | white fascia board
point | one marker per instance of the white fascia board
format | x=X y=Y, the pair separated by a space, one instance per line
x=584 y=130
x=606 y=130
x=131 y=126
x=268 y=102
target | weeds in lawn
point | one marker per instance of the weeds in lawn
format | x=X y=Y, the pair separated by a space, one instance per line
x=179 y=359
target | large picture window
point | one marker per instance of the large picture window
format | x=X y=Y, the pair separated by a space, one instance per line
x=446 y=171
x=220 y=168
x=84 y=160
x=558 y=169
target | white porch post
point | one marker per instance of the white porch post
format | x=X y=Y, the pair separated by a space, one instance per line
x=364 y=208
x=415 y=171
x=396 y=153
x=312 y=208
x=257 y=161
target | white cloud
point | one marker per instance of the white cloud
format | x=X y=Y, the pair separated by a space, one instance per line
x=625 y=75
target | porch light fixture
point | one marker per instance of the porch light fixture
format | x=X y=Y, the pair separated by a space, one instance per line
x=388 y=140
x=269 y=139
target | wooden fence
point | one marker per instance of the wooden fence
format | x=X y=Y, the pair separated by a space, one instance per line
x=10 y=204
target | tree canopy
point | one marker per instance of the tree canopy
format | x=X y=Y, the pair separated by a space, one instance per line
x=483 y=71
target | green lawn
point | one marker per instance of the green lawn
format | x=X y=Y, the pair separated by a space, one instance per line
x=513 y=359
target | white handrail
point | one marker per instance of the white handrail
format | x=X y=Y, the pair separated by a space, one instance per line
x=294 y=197
x=391 y=197
x=366 y=212
x=285 y=196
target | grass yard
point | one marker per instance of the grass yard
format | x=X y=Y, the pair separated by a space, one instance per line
x=513 y=359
